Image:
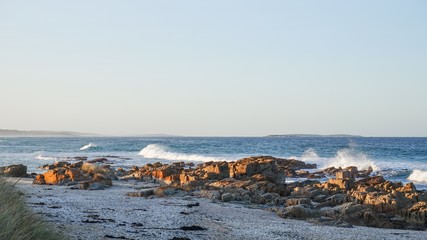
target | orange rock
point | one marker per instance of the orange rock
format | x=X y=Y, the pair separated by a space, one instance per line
x=171 y=179
x=75 y=174
x=253 y=165
x=259 y=177
x=360 y=196
x=217 y=169
x=165 y=171
x=408 y=188
x=39 y=179
x=343 y=174
x=344 y=184
x=54 y=177
x=185 y=178
x=371 y=180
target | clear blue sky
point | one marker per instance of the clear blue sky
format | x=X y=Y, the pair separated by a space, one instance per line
x=211 y=68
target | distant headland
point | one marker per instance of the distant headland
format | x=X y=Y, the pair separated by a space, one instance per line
x=315 y=135
x=41 y=133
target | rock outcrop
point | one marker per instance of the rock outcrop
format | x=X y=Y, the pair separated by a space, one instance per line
x=349 y=196
x=18 y=170
x=371 y=201
x=93 y=175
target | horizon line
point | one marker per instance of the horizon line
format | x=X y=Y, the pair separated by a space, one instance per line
x=66 y=133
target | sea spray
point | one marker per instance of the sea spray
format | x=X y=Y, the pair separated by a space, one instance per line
x=343 y=158
x=310 y=155
x=418 y=176
x=351 y=157
x=46 y=158
x=156 y=151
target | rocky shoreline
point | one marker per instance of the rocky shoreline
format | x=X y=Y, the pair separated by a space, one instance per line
x=349 y=197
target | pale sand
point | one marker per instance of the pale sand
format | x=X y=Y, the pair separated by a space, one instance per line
x=118 y=215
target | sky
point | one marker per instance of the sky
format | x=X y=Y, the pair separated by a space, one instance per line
x=214 y=68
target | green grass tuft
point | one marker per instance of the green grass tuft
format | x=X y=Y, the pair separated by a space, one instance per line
x=17 y=222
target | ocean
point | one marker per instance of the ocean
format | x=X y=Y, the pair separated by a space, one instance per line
x=397 y=159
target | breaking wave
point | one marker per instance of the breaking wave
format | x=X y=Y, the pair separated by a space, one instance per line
x=156 y=151
x=310 y=155
x=343 y=158
x=45 y=158
x=87 y=146
x=350 y=157
x=418 y=176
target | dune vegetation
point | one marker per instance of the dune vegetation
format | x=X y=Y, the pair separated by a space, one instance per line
x=17 y=221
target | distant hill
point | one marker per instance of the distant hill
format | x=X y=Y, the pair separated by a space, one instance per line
x=37 y=133
x=315 y=135
x=154 y=135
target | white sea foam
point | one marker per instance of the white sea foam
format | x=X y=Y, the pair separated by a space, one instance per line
x=160 y=152
x=418 y=176
x=310 y=155
x=87 y=146
x=351 y=157
x=46 y=158
x=343 y=158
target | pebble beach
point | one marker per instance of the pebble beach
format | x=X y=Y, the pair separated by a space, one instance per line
x=110 y=214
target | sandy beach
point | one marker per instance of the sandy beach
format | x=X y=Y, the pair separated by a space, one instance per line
x=110 y=214
x=188 y=120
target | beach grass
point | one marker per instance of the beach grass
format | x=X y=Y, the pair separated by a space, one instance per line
x=93 y=168
x=17 y=221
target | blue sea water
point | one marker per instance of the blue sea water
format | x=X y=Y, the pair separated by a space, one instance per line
x=398 y=159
